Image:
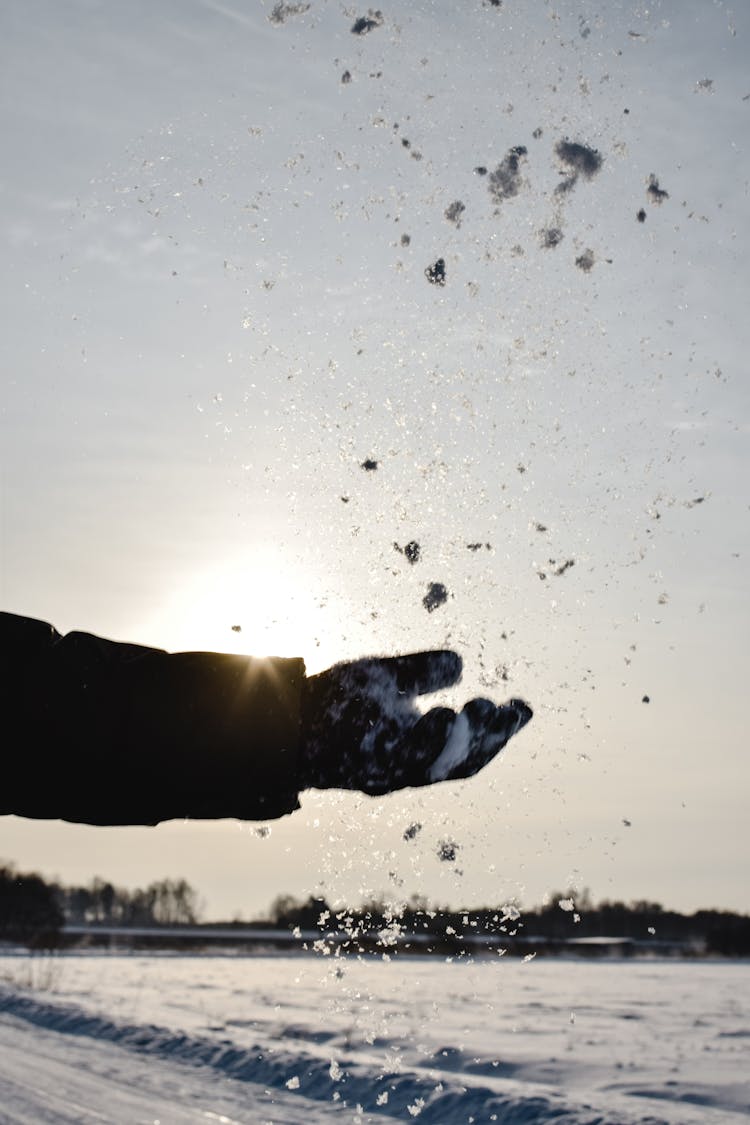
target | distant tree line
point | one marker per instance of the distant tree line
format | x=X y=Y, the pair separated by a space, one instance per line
x=33 y=911
x=29 y=911
x=563 y=916
x=566 y=915
x=168 y=902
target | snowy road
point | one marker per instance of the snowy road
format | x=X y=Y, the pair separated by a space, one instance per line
x=49 y=1077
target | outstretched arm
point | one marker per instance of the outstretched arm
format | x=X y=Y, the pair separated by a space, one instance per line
x=109 y=733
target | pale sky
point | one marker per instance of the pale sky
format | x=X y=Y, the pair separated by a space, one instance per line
x=216 y=308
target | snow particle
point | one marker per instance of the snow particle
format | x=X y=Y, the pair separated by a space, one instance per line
x=281 y=12
x=654 y=192
x=454 y=212
x=435 y=273
x=563 y=566
x=579 y=158
x=550 y=237
x=412 y=551
x=364 y=24
x=505 y=181
x=436 y=596
x=447 y=851
x=412 y=830
x=292 y=1083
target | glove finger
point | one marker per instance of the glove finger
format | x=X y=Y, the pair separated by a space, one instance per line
x=419 y=672
x=479 y=733
x=409 y=760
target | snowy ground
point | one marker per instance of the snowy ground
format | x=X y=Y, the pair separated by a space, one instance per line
x=302 y=1038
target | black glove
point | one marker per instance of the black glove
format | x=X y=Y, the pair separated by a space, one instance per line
x=361 y=729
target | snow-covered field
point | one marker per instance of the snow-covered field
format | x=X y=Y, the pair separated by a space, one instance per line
x=303 y=1038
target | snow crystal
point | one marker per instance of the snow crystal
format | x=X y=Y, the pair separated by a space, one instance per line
x=436 y=596
x=436 y=272
x=446 y=853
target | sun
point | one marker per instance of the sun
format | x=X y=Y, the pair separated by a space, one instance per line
x=263 y=605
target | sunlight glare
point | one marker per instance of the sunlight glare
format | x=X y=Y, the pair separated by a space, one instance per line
x=262 y=605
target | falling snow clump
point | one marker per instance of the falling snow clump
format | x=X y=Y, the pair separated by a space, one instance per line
x=436 y=596
x=550 y=237
x=585 y=261
x=505 y=182
x=454 y=212
x=435 y=273
x=281 y=12
x=412 y=831
x=412 y=551
x=447 y=851
x=369 y=465
x=563 y=566
x=654 y=192
x=363 y=24
x=579 y=159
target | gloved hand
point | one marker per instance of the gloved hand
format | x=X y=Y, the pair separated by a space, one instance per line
x=362 y=730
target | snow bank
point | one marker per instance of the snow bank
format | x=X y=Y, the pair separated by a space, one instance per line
x=431 y=1098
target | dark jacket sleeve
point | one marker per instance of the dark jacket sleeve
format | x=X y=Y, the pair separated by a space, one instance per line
x=101 y=732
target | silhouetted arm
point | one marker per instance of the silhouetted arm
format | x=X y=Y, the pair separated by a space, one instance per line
x=107 y=733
